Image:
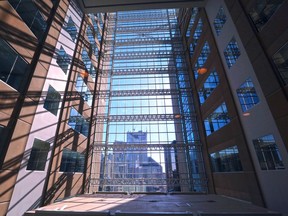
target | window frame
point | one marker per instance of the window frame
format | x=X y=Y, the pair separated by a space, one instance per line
x=264 y=153
x=232 y=52
x=218 y=22
x=247 y=102
x=35 y=156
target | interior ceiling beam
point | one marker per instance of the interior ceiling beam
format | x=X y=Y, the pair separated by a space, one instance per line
x=95 y=6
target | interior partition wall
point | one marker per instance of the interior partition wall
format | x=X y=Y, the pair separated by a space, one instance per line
x=146 y=134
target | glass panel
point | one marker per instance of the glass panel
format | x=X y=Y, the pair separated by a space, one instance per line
x=208 y=87
x=13 y=67
x=88 y=64
x=232 y=53
x=226 y=160
x=31 y=15
x=201 y=59
x=280 y=59
x=192 y=21
x=247 y=95
x=72 y=161
x=268 y=153
x=63 y=60
x=78 y=122
x=196 y=36
x=38 y=155
x=216 y=120
x=82 y=88
x=70 y=27
x=219 y=20
x=52 y=100
x=262 y=11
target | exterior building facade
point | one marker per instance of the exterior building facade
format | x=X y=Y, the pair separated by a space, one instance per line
x=208 y=85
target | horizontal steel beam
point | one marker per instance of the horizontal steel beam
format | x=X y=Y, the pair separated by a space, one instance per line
x=196 y=146
x=151 y=117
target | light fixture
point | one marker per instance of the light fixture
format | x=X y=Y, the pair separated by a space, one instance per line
x=177 y=116
x=84 y=73
x=202 y=70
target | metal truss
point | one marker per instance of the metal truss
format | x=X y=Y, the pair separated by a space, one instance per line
x=141 y=55
x=141 y=29
x=135 y=71
x=196 y=146
x=146 y=92
x=140 y=17
x=152 y=182
x=141 y=40
x=152 y=117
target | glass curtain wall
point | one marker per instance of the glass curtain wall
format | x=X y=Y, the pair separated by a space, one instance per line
x=148 y=139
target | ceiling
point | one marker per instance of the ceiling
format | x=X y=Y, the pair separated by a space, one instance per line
x=94 y=6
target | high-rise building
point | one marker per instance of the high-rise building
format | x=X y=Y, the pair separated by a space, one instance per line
x=203 y=82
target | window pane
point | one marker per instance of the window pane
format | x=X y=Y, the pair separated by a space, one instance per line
x=52 y=100
x=231 y=53
x=220 y=20
x=196 y=37
x=88 y=64
x=247 y=95
x=71 y=28
x=268 y=153
x=216 y=120
x=201 y=59
x=72 y=161
x=30 y=14
x=38 y=155
x=13 y=67
x=63 y=60
x=281 y=61
x=78 y=122
x=226 y=160
x=192 y=21
x=82 y=88
x=208 y=87
x=263 y=10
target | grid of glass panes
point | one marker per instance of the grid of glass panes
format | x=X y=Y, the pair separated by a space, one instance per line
x=143 y=89
x=192 y=21
x=247 y=95
x=202 y=58
x=63 y=59
x=82 y=88
x=232 y=52
x=280 y=59
x=208 y=87
x=226 y=160
x=196 y=36
x=219 y=20
x=89 y=67
x=52 y=100
x=77 y=122
x=70 y=27
x=216 y=120
x=91 y=37
x=268 y=153
x=262 y=11
x=38 y=155
x=72 y=161
x=31 y=15
x=13 y=66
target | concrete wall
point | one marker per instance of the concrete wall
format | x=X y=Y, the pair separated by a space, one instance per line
x=259 y=121
x=29 y=184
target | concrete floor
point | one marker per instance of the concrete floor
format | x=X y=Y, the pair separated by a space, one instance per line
x=143 y=204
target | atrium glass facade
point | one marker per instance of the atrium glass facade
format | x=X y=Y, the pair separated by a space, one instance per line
x=149 y=135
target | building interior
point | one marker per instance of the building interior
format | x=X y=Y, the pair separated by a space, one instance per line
x=168 y=107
